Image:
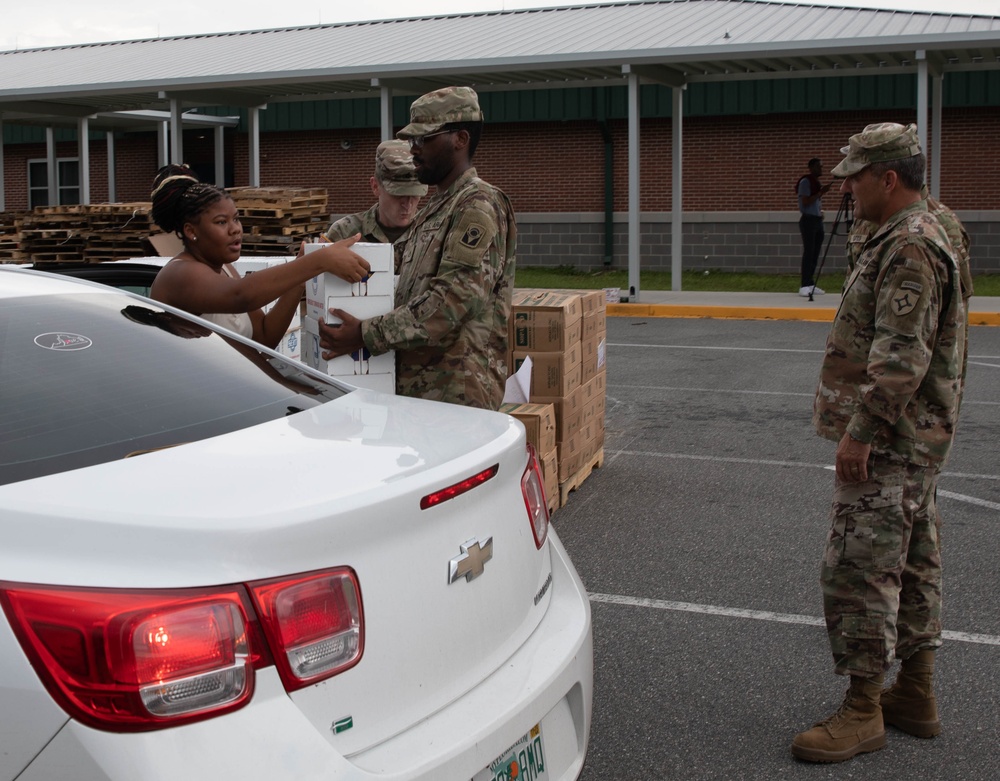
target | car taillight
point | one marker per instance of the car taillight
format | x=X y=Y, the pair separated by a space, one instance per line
x=533 y=488
x=443 y=495
x=138 y=660
x=313 y=623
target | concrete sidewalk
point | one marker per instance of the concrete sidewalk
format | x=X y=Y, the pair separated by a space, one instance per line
x=983 y=310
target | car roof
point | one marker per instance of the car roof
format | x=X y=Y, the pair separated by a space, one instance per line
x=18 y=282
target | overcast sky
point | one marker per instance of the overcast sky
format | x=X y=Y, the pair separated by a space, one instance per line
x=61 y=22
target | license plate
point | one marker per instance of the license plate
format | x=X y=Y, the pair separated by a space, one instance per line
x=524 y=761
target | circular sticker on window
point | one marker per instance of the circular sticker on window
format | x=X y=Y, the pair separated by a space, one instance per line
x=62 y=341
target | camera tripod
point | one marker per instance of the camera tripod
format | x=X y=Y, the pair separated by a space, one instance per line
x=846 y=211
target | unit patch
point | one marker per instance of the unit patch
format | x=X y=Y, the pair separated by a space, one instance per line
x=904 y=303
x=472 y=236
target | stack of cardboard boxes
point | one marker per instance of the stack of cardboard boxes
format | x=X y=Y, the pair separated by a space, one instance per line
x=564 y=333
x=373 y=296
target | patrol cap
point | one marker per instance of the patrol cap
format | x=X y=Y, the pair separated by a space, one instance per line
x=431 y=112
x=878 y=143
x=394 y=169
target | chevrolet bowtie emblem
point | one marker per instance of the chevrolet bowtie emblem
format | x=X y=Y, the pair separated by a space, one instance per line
x=472 y=561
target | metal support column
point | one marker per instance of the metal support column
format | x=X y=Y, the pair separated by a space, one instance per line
x=385 y=112
x=176 y=132
x=634 y=205
x=220 y=156
x=112 y=190
x=253 y=122
x=162 y=144
x=83 y=155
x=3 y=189
x=922 y=99
x=677 y=190
x=50 y=166
x=937 y=94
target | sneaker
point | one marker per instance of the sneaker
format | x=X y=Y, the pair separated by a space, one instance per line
x=804 y=291
x=808 y=290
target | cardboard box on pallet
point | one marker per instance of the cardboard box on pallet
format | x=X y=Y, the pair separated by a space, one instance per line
x=568 y=411
x=539 y=424
x=593 y=301
x=593 y=357
x=552 y=373
x=571 y=455
x=545 y=320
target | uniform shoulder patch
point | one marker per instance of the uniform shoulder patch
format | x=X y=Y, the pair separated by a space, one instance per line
x=905 y=300
x=908 y=294
x=470 y=237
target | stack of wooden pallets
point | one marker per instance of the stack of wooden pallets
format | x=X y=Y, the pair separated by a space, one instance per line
x=92 y=232
x=10 y=237
x=277 y=219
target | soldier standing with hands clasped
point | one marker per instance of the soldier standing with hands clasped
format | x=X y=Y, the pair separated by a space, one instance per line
x=888 y=394
x=456 y=268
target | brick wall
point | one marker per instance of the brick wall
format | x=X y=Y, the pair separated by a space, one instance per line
x=745 y=165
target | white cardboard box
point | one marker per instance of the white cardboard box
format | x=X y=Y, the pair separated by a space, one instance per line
x=346 y=367
x=291 y=344
x=250 y=265
x=384 y=383
x=379 y=283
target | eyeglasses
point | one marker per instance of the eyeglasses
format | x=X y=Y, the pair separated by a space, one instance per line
x=417 y=142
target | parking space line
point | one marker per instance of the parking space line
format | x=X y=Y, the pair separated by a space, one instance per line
x=803 y=464
x=970 y=500
x=676 y=388
x=720 y=459
x=715 y=347
x=759 y=615
x=709 y=390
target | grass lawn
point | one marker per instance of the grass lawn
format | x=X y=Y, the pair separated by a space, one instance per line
x=724 y=281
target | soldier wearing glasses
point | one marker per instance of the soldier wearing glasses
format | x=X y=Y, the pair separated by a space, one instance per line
x=456 y=268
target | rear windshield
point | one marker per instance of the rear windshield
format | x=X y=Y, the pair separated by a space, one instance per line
x=90 y=378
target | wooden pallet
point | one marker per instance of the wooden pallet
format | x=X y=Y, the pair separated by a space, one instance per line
x=566 y=487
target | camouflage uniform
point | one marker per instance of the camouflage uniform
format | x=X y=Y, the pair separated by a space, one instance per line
x=396 y=175
x=365 y=223
x=891 y=377
x=862 y=230
x=453 y=298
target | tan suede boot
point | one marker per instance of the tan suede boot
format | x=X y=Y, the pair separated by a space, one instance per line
x=855 y=728
x=909 y=704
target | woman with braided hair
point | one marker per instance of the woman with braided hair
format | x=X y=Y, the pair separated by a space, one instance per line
x=201 y=280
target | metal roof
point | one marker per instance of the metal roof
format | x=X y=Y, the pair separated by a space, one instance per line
x=670 y=41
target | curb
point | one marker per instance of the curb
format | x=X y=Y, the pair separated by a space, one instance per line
x=823 y=315
x=722 y=312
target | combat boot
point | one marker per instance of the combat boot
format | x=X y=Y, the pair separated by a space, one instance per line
x=909 y=704
x=855 y=728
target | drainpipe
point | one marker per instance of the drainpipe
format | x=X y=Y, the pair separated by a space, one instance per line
x=609 y=183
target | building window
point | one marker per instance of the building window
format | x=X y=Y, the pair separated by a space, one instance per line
x=67 y=182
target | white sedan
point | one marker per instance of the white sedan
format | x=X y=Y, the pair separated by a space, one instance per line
x=218 y=564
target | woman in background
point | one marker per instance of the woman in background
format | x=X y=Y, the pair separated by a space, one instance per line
x=201 y=279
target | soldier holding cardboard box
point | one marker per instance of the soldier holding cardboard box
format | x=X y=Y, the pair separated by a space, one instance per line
x=449 y=327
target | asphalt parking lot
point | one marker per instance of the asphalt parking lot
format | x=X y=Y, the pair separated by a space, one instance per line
x=699 y=540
